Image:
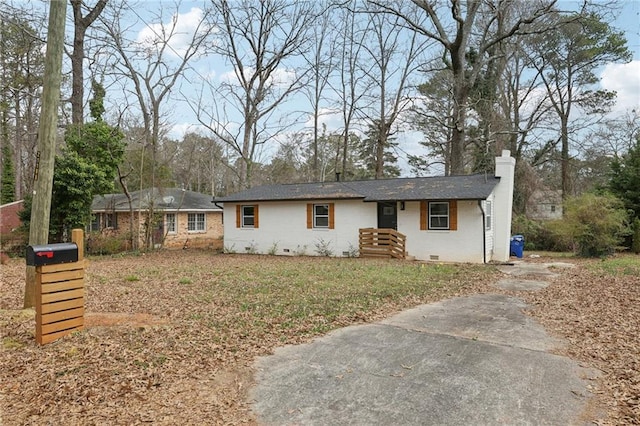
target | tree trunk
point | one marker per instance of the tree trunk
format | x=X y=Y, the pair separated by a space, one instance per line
x=456 y=163
x=244 y=171
x=18 y=143
x=564 y=158
x=77 y=75
x=77 y=57
x=41 y=207
x=380 y=146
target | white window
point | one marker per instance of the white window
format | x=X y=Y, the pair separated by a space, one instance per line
x=110 y=220
x=95 y=223
x=248 y=216
x=488 y=212
x=170 y=223
x=196 y=222
x=439 y=215
x=321 y=215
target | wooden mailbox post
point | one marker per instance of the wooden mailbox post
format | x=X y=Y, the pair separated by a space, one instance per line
x=60 y=294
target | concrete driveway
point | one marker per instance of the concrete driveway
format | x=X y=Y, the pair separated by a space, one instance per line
x=475 y=360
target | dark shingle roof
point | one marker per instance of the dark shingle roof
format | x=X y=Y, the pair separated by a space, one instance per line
x=470 y=187
x=163 y=198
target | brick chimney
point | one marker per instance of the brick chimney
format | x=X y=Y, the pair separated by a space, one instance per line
x=503 y=206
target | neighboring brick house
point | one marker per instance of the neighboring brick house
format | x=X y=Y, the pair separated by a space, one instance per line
x=9 y=219
x=188 y=218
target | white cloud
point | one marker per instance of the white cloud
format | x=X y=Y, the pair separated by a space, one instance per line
x=331 y=118
x=179 y=130
x=280 y=77
x=181 y=36
x=230 y=77
x=283 y=77
x=625 y=80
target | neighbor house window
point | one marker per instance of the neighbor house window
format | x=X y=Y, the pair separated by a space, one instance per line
x=439 y=215
x=488 y=213
x=320 y=216
x=95 y=223
x=196 y=222
x=102 y=221
x=110 y=220
x=170 y=223
x=247 y=216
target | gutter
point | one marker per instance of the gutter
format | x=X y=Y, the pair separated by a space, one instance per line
x=215 y=203
x=484 y=233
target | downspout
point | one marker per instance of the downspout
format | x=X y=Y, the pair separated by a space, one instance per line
x=215 y=203
x=484 y=232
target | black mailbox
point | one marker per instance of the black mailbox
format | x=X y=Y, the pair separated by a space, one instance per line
x=51 y=254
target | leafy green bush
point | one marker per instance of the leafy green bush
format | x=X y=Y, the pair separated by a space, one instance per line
x=595 y=223
x=540 y=235
x=521 y=225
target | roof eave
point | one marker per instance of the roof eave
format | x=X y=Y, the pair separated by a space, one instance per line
x=256 y=200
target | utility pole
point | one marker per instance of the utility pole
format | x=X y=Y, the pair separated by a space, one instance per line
x=43 y=174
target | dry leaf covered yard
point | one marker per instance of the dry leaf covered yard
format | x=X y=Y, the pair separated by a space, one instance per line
x=171 y=335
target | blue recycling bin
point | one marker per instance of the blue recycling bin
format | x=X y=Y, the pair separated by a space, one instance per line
x=517 y=246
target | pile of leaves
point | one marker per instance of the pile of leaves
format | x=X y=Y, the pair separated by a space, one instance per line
x=596 y=308
x=171 y=335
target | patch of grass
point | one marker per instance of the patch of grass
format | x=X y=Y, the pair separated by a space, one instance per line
x=185 y=281
x=322 y=292
x=628 y=264
x=11 y=343
x=131 y=278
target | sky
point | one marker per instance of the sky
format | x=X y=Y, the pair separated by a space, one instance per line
x=623 y=78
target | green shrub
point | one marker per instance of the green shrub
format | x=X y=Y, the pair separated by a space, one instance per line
x=540 y=235
x=554 y=237
x=521 y=225
x=596 y=224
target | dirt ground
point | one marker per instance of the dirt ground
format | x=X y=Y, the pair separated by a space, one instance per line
x=155 y=350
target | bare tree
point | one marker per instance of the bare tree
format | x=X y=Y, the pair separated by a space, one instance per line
x=322 y=61
x=21 y=75
x=395 y=55
x=458 y=27
x=149 y=67
x=258 y=39
x=351 y=88
x=81 y=24
x=197 y=163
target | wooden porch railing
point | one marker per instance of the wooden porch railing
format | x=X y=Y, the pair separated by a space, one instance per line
x=374 y=242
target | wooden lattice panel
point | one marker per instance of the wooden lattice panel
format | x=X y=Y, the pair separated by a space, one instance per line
x=59 y=300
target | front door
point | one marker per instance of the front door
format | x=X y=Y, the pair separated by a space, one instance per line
x=387 y=215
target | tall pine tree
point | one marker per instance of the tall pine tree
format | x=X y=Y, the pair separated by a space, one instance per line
x=625 y=179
